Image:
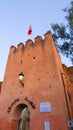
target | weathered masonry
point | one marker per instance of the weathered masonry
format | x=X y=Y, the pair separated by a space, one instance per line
x=37 y=90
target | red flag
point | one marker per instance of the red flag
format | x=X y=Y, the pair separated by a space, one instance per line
x=30 y=30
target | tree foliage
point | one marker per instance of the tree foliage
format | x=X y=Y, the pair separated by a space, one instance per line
x=63 y=33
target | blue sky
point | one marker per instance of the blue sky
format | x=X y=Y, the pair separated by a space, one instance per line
x=17 y=15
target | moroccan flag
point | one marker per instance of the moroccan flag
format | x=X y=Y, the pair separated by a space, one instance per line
x=30 y=30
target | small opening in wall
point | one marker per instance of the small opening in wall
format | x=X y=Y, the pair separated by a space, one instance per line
x=21 y=61
x=49 y=86
x=34 y=58
x=71 y=81
x=38 y=79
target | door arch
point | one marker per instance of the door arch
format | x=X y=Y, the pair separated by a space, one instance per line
x=24 y=120
x=22 y=114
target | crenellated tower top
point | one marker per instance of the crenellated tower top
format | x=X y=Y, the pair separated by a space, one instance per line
x=30 y=43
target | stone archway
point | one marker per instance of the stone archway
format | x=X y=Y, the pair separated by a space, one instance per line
x=22 y=114
x=24 y=120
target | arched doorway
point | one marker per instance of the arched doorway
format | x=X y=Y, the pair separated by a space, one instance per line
x=22 y=114
x=24 y=120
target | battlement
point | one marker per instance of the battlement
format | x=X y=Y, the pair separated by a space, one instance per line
x=39 y=50
x=29 y=42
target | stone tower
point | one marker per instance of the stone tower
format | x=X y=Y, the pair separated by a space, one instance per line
x=41 y=95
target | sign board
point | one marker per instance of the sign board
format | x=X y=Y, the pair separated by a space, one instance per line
x=46 y=125
x=45 y=107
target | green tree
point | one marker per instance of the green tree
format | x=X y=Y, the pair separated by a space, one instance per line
x=63 y=33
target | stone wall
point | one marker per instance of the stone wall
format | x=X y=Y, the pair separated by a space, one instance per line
x=41 y=65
